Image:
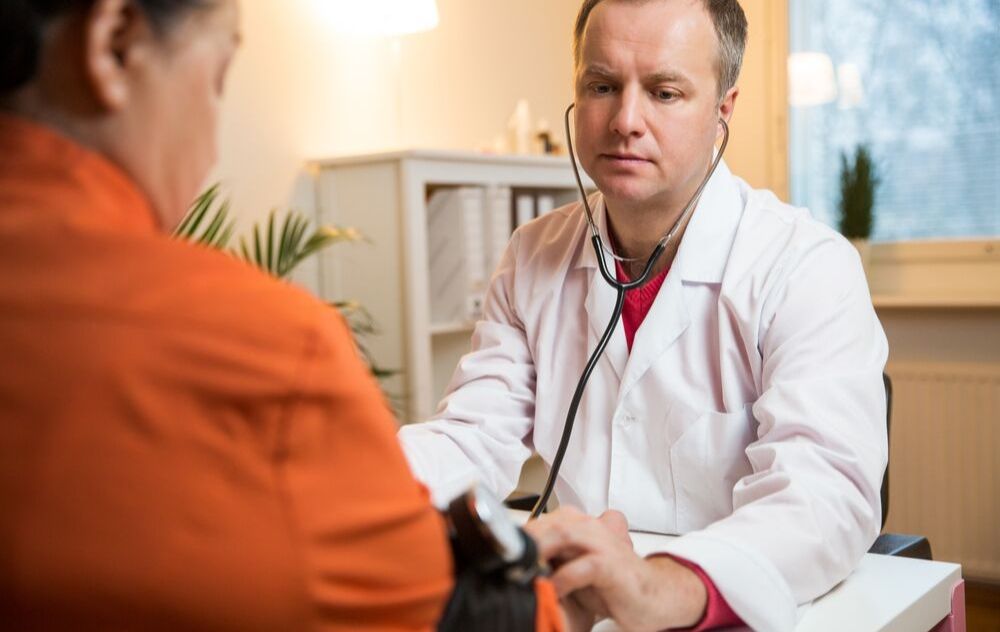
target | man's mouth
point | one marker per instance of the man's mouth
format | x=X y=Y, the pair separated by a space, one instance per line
x=624 y=158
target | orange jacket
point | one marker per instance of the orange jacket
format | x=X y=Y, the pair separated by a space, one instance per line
x=185 y=443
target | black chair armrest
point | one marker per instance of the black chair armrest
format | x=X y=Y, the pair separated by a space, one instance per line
x=900 y=545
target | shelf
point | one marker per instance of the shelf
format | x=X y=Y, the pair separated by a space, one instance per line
x=443 y=329
x=386 y=197
x=467 y=157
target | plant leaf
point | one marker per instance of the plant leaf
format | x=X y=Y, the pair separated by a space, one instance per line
x=269 y=241
x=192 y=220
x=215 y=226
x=257 y=257
x=245 y=250
x=286 y=227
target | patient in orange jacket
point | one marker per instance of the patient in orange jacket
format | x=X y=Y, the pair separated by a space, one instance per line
x=185 y=443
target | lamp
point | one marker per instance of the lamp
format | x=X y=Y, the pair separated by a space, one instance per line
x=811 y=79
x=852 y=90
x=384 y=17
x=382 y=23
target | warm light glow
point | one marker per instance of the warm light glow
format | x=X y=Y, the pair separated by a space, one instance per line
x=852 y=90
x=811 y=79
x=383 y=17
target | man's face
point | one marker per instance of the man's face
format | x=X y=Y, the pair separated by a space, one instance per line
x=647 y=103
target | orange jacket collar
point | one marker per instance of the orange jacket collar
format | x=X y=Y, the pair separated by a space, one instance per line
x=41 y=169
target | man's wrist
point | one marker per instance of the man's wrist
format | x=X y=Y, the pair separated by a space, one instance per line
x=688 y=597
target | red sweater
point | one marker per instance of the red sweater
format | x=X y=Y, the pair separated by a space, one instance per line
x=718 y=614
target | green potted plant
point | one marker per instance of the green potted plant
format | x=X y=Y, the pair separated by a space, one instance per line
x=278 y=247
x=858 y=183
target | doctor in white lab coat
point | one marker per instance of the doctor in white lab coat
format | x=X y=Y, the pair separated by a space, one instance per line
x=749 y=415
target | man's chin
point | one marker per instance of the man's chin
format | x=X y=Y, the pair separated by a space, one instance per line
x=624 y=190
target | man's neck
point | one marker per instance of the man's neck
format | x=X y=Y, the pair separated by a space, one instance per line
x=637 y=229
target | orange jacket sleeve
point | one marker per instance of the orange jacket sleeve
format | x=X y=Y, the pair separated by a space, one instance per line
x=374 y=550
x=548 y=617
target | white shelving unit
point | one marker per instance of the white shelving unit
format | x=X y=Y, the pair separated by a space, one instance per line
x=385 y=197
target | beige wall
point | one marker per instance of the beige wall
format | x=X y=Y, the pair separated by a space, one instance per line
x=300 y=90
x=759 y=149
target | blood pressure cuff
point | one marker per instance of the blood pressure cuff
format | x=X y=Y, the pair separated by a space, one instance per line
x=490 y=603
x=497 y=573
x=497 y=597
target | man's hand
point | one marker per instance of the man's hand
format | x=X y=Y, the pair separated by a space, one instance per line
x=595 y=567
x=577 y=617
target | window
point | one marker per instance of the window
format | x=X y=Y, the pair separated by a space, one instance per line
x=918 y=82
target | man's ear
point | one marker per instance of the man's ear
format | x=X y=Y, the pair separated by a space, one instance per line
x=728 y=103
x=116 y=36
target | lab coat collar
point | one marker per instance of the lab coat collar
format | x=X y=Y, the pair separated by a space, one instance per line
x=600 y=304
x=585 y=257
x=705 y=247
x=708 y=240
x=701 y=258
x=600 y=301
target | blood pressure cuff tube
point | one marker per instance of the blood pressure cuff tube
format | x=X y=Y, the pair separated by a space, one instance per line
x=490 y=600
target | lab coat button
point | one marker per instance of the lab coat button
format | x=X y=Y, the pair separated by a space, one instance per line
x=625 y=419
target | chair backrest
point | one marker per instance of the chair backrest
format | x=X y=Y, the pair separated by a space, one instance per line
x=888 y=433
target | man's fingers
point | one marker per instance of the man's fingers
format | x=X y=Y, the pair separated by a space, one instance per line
x=578 y=617
x=583 y=572
x=589 y=599
x=560 y=536
x=552 y=537
x=616 y=522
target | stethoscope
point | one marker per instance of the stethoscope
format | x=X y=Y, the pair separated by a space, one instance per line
x=620 y=287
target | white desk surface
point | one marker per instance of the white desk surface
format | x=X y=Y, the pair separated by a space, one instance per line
x=890 y=594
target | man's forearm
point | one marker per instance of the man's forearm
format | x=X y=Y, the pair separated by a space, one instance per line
x=685 y=606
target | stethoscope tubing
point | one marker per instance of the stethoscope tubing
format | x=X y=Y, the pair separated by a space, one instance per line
x=620 y=289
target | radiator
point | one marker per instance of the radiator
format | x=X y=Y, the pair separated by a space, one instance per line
x=944 y=461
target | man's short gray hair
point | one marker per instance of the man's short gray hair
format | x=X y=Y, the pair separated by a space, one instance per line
x=730 y=28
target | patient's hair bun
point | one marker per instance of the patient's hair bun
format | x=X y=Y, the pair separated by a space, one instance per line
x=20 y=40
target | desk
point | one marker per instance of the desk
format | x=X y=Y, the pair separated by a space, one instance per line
x=890 y=594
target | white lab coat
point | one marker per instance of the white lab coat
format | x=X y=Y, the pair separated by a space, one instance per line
x=749 y=416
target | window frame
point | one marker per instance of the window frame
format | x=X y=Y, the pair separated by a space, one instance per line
x=925 y=273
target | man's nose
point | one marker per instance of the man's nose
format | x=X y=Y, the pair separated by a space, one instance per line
x=628 y=119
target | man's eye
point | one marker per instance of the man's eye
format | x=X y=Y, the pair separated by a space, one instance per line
x=600 y=88
x=665 y=95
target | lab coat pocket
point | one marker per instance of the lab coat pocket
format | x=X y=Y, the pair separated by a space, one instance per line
x=706 y=461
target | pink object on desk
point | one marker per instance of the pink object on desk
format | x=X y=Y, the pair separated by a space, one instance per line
x=954 y=622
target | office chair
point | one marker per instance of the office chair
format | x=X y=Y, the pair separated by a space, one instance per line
x=900 y=545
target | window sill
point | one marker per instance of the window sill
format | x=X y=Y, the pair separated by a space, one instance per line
x=936 y=275
x=937 y=250
x=897 y=302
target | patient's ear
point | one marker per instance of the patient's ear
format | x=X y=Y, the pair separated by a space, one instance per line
x=118 y=42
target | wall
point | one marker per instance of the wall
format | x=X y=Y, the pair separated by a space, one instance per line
x=759 y=130
x=301 y=90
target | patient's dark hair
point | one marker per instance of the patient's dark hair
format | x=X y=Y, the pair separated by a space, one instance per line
x=22 y=21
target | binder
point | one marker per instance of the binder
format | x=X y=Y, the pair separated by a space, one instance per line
x=498 y=223
x=545 y=204
x=457 y=257
x=524 y=208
